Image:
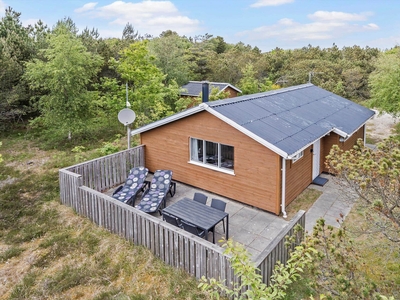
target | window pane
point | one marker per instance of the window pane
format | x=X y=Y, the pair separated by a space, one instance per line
x=227 y=156
x=212 y=153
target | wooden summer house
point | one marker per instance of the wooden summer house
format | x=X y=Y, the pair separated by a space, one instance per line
x=194 y=88
x=262 y=149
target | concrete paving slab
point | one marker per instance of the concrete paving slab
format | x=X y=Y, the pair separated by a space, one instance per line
x=255 y=228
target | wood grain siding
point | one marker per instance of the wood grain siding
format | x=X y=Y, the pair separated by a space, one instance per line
x=298 y=175
x=333 y=139
x=232 y=93
x=257 y=169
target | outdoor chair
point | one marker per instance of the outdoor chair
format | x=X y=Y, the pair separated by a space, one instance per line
x=171 y=219
x=220 y=205
x=189 y=227
x=201 y=198
x=155 y=196
x=133 y=185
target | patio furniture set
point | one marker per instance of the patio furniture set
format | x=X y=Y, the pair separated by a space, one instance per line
x=192 y=215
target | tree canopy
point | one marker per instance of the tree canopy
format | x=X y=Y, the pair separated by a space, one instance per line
x=385 y=81
x=63 y=77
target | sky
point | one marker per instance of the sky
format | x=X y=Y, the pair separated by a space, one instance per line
x=267 y=24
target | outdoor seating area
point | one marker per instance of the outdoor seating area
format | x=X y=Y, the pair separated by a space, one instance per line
x=154 y=197
x=202 y=213
x=88 y=187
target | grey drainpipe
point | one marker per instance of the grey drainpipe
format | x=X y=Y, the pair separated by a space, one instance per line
x=205 y=90
x=283 y=205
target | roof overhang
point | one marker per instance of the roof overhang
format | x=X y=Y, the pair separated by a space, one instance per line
x=175 y=117
x=339 y=132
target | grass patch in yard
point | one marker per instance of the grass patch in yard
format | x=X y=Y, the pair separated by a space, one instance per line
x=379 y=259
x=49 y=252
x=302 y=202
x=10 y=253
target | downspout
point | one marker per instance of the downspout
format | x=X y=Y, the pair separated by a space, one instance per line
x=283 y=205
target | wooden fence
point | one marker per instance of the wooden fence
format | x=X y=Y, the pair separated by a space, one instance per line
x=277 y=249
x=81 y=188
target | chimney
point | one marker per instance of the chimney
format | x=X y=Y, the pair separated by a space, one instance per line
x=205 y=90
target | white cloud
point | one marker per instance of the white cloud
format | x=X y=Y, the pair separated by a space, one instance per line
x=151 y=17
x=332 y=16
x=325 y=26
x=86 y=7
x=371 y=26
x=261 y=3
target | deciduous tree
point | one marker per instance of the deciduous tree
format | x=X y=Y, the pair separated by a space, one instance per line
x=148 y=95
x=63 y=78
x=16 y=48
x=385 y=81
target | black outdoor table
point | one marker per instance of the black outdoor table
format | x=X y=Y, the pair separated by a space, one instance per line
x=201 y=215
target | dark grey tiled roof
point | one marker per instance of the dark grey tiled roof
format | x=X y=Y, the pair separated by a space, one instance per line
x=294 y=117
x=193 y=88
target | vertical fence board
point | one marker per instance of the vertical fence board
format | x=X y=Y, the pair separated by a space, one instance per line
x=81 y=186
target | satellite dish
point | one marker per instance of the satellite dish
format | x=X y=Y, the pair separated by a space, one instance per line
x=126 y=116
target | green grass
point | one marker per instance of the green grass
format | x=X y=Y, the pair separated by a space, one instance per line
x=49 y=252
x=303 y=201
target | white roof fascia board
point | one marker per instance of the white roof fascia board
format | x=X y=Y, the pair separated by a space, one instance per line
x=245 y=131
x=232 y=87
x=169 y=119
x=349 y=135
x=340 y=132
x=306 y=146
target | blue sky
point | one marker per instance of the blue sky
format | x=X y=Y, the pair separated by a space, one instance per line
x=267 y=24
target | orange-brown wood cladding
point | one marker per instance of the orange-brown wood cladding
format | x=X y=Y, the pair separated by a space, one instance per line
x=257 y=169
x=298 y=175
x=333 y=139
x=232 y=93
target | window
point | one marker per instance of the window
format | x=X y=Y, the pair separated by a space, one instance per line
x=211 y=154
x=298 y=156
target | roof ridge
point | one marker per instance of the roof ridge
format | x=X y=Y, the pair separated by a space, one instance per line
x=261 y=94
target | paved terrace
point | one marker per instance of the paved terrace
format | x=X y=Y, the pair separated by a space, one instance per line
x=255 y=228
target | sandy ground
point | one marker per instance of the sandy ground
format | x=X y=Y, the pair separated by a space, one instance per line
x=381 y=126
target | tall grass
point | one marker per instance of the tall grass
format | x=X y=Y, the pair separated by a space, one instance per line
x=49 y=252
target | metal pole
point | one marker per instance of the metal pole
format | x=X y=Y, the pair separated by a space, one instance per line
x=129 y=136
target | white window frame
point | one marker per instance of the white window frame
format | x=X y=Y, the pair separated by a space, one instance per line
x=193 y=143
x=298 y=156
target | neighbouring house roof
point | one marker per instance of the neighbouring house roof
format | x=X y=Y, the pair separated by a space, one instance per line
x=193 y=88
x=287 y=120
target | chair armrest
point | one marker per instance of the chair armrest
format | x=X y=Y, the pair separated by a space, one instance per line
x=117 y=190
x=172 y=188
x=146 y=185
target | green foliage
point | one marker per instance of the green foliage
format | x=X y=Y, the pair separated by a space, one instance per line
x=10 y=253
x=78 y=153
x=147 y=92
x=250 y=285
x=108 y=148
x=1 y=157
x=16 y=48
x=63 y=79
x=249 y=84
x=188 y=102
x=335 y=270
x=170 y=52
x=375 y=178
x=384 y=82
